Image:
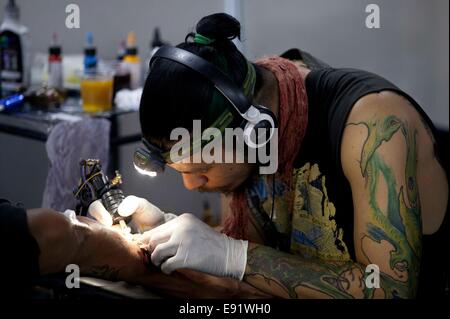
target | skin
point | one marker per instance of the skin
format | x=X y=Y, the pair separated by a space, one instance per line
x=399 y=190
x=382 y=159
x=104 y=252
x=226 y=178
x=223 y=178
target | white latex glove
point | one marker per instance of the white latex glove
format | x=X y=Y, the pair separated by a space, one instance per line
x=187 y=242
x=144 y=214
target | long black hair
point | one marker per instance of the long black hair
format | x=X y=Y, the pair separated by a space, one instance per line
x=174 y=95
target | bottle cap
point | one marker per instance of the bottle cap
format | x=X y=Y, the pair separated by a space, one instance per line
x=131 y=39
x=12 y=10
x=132 y=51
x=131 y=44
x=54 y=50
x=157 y=42
x=90 y=51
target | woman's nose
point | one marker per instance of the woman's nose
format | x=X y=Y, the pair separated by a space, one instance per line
x=193 y=181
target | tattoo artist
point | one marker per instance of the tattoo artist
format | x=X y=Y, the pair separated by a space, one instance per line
x=360 y=178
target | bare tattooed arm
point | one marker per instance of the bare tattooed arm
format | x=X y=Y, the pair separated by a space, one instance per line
x=107 y=254
x=104 y=253
x=287 y=276
x=380 y=157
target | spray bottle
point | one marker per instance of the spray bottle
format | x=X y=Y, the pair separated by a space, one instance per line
x=14 y=51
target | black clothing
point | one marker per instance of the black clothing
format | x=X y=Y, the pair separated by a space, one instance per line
x=19 y=264
x=332 y=93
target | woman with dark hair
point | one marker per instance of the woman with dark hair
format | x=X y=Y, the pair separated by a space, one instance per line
x=356 y=208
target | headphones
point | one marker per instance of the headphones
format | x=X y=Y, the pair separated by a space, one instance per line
x=256 y=118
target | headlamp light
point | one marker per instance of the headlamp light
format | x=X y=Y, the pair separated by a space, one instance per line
x=149 y=160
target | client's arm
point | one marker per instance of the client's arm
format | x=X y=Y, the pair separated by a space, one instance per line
x=105 y=253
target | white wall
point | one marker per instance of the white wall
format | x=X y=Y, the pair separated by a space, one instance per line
x=410 y=49
x=110 y=20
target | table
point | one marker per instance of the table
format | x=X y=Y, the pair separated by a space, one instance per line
x=54 y=287
x=36 y=124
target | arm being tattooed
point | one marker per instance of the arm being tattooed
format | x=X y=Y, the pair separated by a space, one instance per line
x=380 y=158
x=105 y=253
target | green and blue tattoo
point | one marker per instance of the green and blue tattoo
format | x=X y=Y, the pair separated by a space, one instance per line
x=396 y=226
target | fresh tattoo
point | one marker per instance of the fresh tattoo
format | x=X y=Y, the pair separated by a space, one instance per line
x=395 y=231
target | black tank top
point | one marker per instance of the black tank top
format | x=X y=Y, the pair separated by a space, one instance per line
x=332 y=93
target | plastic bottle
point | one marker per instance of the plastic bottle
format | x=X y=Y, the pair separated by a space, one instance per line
x=14 y=51
x=131 y=61
x=90 y=55
x=55 y=72
x=121 y=75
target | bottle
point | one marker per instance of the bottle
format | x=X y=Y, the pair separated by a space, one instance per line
x=121 y=75
x=14 y=51
x=90 y=55
x=131 y=61
x=55 y=75
x=155 y=44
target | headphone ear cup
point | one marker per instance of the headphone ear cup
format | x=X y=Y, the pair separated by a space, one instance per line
x=265 y=110
x=265 y=123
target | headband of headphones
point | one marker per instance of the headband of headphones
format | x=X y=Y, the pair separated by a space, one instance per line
x=222 y=83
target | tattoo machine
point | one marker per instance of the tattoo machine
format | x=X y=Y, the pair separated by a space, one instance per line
x=93 y=185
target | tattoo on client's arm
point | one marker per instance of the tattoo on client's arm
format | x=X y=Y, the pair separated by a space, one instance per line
x=107 y=254
x=104 y=272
